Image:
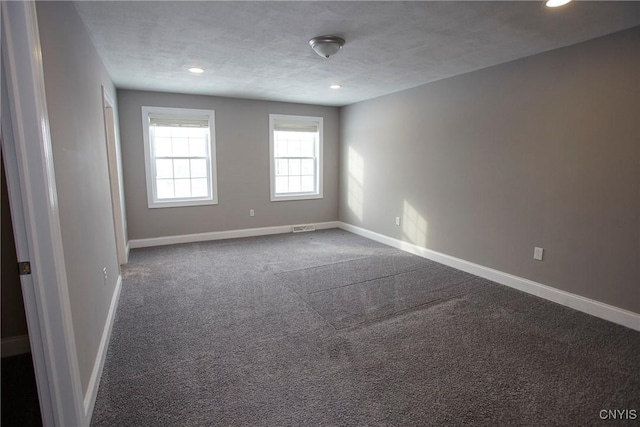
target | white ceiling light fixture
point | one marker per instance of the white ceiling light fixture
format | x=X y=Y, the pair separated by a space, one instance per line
x=336 y=86
x=556 y=3
x=326 y=46
x=196 y=70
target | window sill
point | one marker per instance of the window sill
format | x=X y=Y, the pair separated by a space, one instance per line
x=182 y=203
x=295 y=197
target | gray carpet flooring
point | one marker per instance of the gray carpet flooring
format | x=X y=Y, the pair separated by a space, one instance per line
x=328 y=328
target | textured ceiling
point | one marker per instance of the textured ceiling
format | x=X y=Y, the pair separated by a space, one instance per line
x=259 y=50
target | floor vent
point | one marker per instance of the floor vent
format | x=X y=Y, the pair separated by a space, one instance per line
x=302 y=228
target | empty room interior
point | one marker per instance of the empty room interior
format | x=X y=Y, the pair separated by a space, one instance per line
x=320 y=213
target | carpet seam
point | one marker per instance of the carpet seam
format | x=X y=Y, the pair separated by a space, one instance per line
x=368 y=280
x=304 y=301
x=341 y=262
x=410 y=309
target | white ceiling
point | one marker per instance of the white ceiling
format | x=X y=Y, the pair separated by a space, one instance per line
x=259 y=50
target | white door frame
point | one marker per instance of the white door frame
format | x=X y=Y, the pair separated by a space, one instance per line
x=34 y=206
x=115 y=177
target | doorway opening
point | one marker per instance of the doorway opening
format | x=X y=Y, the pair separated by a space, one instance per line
x=20 y=404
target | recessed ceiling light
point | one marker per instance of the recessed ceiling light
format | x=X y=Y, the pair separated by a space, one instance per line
x=335 y=86
x=196 y=70
x=556 y=3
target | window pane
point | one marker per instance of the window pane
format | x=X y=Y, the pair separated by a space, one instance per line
x=162 y=131
x=294 y=184
x=197 y=147
x=307 y=148
x=282 y=184
x=178 y=132
x=199 y=187
x=163 y=147
x=281 y=148
x=183 y=187
x=164 y=168
x=198 y=168
x=181 y=168
x=294 y=167
x=307 y=167
x=195 y=133
x=307 y=183
x=181 y=147
x=164 y=188
x=284 y=135
x=282 y=166
x=294 y=148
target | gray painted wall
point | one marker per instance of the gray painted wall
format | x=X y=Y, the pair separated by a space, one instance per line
x=73 y=77
x=542 y=151
x=242 y=139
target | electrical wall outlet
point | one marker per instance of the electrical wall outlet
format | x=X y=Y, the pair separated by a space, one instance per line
x=252 y=212
x=104 y=273
x=397 y=220
x=538 y=253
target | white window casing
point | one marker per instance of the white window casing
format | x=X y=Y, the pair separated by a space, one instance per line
x=295 y=152
x=180 y=156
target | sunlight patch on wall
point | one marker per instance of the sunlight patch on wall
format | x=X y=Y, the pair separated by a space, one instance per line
x=355 y=183
x=414 y=225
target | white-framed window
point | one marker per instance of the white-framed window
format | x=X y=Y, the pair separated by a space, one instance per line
x=180 y=156
x=295 y=148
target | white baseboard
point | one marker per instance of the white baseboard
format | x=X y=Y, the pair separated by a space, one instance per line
x=219 y=235
x=577 y=302
x=96 y=374
x=14 y=346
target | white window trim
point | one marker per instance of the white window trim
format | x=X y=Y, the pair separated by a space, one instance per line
x=149 y=169
x=272 y=166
